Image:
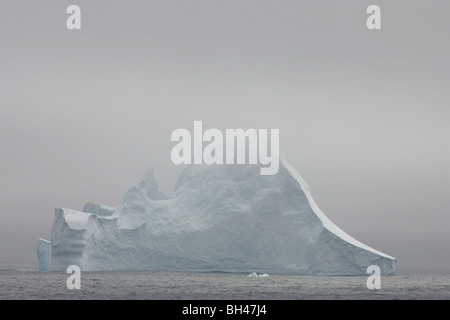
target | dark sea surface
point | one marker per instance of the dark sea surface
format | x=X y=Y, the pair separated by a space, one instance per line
x=26 y=282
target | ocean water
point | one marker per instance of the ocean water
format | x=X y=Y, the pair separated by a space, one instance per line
x=26 y=282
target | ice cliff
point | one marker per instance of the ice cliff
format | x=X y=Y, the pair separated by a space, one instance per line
x=219 y=218
x=44 y=252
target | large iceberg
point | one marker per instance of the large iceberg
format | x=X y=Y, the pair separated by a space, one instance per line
x=219 y=218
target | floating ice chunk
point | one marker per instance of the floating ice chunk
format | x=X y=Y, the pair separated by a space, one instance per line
x=264 y=275
x=253 y=275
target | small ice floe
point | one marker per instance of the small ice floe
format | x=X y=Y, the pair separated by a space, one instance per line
x=255 y=275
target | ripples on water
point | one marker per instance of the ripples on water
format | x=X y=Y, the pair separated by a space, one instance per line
x=23 y=282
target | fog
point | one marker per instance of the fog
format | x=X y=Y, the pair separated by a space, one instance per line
x=363 y=114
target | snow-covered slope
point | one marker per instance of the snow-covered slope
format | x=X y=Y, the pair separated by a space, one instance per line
x=220 y=218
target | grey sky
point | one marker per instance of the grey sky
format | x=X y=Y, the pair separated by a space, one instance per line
x=363 y=115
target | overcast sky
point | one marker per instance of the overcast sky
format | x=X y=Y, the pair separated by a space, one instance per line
x=363 y=115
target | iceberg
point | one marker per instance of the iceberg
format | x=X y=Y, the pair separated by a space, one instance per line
x=44 y=252
x=255 y=275
x=220 y=218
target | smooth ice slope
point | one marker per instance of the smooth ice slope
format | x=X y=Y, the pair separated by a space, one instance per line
x=44 y=252
x=220 y=218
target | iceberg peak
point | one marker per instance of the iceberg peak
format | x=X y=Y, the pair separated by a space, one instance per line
x=149 y=185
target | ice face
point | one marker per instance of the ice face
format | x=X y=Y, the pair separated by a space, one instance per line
x=220 y=218
x=44 y=252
